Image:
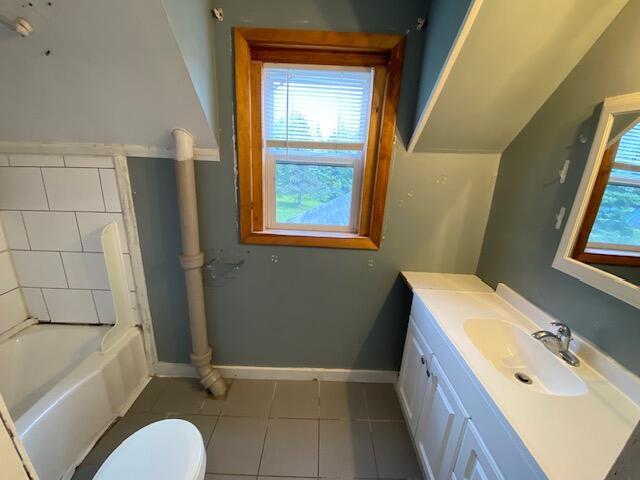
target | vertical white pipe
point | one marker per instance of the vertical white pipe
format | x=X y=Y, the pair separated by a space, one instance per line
x=192 y=259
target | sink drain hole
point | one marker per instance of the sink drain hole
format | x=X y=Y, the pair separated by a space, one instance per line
x=524 y=378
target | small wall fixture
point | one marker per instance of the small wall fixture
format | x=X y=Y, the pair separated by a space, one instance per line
x=563 y=173
x=21 y=26
x=560 y=217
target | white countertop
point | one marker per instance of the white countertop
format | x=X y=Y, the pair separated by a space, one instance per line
x=446 y=281
x=569 y=436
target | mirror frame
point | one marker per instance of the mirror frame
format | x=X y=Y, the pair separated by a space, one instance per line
x=563 y=261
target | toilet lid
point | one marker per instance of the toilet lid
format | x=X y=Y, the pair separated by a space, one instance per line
x=166 y=450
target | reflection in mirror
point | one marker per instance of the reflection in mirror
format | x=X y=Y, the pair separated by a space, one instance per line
x=610 y=231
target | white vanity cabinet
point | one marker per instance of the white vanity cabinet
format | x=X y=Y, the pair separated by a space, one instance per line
x=474 y=461
x=442 y=420
x=447 y=447
x=469 y=418
x=413 y=375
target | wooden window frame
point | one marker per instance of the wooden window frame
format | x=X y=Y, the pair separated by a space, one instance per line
x=256 y=46
x=581 y=250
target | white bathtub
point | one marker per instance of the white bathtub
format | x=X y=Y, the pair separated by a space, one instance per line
x=63 y=392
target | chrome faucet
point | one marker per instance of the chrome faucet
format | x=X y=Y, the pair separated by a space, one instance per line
x=558 y=343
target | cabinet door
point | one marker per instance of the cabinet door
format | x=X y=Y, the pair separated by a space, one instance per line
x=474 y=460
x=442 y=420
x=413 y=378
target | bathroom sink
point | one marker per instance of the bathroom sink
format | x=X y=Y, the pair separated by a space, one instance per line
x=521 y=358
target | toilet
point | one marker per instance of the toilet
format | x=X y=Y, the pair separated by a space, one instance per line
x=170 y=449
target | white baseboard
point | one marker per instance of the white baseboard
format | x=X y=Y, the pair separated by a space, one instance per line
x=166 y=369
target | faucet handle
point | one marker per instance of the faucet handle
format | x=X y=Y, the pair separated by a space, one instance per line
x=563 y=329
x=564 y=334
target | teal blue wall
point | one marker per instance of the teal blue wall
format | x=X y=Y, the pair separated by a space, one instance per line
x=444 y=20
x=153 y=184
x=314 y=307
x=521 y=240
x=289 y=306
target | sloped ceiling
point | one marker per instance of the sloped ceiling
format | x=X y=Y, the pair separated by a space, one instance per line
x=114 y=74
x=515 y=55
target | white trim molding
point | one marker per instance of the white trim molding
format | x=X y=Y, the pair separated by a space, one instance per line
x=604 y=281
x=452 y=56
x=137 y=267
x=151 y=151
x=166 y=369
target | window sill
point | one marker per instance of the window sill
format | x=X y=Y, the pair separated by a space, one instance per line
x=305 y=238
x=609 y=257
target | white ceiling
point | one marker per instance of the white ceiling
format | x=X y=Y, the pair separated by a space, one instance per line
x=115 y=75
x=516 y=54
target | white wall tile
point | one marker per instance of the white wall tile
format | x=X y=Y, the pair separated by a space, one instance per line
x=8 y=280
x=73 y=189
x=110 y=190
x=14 y=230
x=104 y=306
x=88 y=161
x=29 y=160
x=52 y=231
x=91 y=225
x=36 y=306
x=70 y=306
x=4 y=160
x=106 y=310
x=12 y=310
x=86 y=270
x=39 y=269
x=21 y=188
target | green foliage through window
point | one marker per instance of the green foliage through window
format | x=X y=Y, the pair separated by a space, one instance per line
x=313 y=194
x=618 y=218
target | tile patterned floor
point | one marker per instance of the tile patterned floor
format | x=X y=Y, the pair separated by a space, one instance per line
x=273 y=429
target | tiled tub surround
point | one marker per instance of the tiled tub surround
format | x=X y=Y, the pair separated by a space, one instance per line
x=54 y=208
x=266 y=428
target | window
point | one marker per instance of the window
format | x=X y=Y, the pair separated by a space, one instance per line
x=315 y=124
x=602 y=225
x=610 y=232
x=315 y=127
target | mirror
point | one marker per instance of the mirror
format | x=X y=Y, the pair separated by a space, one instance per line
x=601 y=241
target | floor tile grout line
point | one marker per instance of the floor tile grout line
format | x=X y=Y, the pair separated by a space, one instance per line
x=318 y=468
x=215 y=425
x=266 y=430
x=318 y=412
x=373 y=446
x=264 y=442
x=373 y=450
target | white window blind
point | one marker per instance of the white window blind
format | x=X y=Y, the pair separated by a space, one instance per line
x=316 y=104
x=315 y=129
